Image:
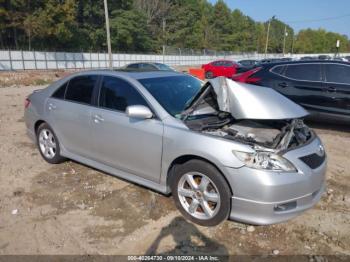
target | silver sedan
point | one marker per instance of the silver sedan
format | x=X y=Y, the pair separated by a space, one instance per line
x=222 y=149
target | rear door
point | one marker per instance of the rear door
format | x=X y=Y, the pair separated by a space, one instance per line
x=229 y=69
x=128 y=144
x=302 y=83
x=69 y=113
x=337 y=87
x=218 y=68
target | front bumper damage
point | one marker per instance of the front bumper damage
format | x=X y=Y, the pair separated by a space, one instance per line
x=263 y=197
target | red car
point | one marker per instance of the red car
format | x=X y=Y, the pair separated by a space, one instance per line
x=220 y=68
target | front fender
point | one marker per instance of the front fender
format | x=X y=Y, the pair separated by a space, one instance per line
x=179 y=142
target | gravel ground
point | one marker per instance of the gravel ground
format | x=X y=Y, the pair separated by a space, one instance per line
x=73 y=209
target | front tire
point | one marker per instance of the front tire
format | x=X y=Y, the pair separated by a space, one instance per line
x=48 y=144
x=201 y=193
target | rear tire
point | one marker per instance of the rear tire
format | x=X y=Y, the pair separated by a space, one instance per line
x=201 y=193
x=48 y=144
x=209 y=75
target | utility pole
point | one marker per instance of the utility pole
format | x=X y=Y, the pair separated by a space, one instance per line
x=110 y=64
x=164 y=25
x=164 y=40
x=293 y=44
x=284 y=40
x=268 y=34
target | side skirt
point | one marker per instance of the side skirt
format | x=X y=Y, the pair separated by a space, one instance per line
x=116 y=172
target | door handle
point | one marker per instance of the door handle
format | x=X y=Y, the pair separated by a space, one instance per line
x=283 y=84
x=331 y=89
x=52 y=106
x=98 y=119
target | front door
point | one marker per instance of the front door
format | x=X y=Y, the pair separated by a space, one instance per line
x=302 y=83
x=337 y=87
x=131 y=145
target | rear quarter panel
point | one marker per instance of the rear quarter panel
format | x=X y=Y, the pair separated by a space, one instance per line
x=35 y=111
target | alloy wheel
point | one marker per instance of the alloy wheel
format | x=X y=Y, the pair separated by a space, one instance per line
x=198 y=195
x=209 y=75
x=47 y=143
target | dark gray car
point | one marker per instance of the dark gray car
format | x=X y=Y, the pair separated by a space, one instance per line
x=148 y=66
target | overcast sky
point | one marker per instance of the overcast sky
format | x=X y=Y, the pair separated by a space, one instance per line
x=335 y=14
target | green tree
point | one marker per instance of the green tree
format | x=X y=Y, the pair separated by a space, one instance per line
x=243 y=36
x=320 y=41
x=186 y=25
x=3 y=16
x=260 y=32
x=129 y=31
x=55 y=24
x=222 y=26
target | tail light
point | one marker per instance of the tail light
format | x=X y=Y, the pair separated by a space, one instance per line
x=248 y=77
x=26 y=103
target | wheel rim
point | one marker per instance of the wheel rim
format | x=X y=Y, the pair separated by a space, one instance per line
x=209 y=75
x=198 y=195
x=47 y=143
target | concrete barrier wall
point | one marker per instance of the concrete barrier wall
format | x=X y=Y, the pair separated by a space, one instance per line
x=36 y=60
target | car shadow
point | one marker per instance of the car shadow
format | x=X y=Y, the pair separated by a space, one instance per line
x=188 y=241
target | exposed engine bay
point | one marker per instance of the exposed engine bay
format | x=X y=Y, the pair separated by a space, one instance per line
x=277 y=135
x=258 y=116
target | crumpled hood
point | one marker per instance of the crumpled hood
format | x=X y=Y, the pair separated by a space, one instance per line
x=246 y=101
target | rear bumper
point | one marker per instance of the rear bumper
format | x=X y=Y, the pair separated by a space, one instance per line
x=30 y=134
x=30 y=118
x=263 y=197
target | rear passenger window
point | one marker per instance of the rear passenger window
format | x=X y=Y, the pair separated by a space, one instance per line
x=217 y=63
x=306 y=72
x=148 y=67
x=278 y=70
x=59 y=93
x=227 y=63
x=133 y=66
x=80 y=89
x=117 y=94
x=337 y=73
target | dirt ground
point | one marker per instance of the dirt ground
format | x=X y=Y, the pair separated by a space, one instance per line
x=74 y=209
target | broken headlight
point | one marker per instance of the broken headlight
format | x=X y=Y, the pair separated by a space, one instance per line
x=265 y=161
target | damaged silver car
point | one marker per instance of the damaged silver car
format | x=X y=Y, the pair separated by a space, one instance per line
x=222 y=149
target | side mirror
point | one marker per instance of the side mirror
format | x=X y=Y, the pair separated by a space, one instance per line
x=138 y=111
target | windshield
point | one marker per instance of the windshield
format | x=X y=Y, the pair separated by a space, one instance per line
x=163 y=67
x=173 y=92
